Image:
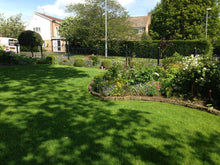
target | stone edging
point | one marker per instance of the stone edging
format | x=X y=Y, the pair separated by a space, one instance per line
x=155 y=99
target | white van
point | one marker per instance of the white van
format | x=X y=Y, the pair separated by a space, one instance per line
x=9 y=44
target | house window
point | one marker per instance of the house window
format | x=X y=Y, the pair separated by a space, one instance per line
x=57 y=31
x=59 y=45
x=140 y=31
x=37 y=29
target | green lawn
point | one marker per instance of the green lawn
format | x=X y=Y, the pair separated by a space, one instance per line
x=48 y=117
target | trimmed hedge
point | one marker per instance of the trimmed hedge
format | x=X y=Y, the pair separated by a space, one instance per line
x=144 y=49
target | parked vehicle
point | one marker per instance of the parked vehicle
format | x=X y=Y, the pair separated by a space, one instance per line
x=9 y=44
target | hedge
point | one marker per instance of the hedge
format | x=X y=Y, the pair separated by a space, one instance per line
x=144 y=49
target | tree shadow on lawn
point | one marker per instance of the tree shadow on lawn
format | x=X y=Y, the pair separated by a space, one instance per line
x=206 y=147
x=56 y=125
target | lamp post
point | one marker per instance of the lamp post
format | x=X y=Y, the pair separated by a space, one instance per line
x=206 y=21
x=106 y=30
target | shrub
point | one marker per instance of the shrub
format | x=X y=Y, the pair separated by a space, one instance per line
x=106 y=63
x=12 y=58
x=50 y=59
x=6 y=57
x=147 y=74
x=114 y=72
x=79 y=62
x=98 y=82
x=41 y=61
x=194 y=78
x=175 y=59
x=95 y=59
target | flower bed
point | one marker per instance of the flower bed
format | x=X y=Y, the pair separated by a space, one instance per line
x=193 y=79
x=174 y=101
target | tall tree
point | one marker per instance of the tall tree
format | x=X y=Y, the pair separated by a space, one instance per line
x=184 y=19
x=12 y=26
x=89 y=21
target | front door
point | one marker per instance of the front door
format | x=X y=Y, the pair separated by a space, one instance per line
x=56 y=45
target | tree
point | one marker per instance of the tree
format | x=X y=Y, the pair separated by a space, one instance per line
x=145 y=37
x=30 y=39
x=72 y=30
x=12 y=26
x=184 y=19
x=89 y=21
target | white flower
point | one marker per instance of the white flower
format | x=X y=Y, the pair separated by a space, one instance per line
x=157 y=74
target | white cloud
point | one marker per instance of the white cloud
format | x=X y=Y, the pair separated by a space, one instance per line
x=126 y=2
x=58 y=8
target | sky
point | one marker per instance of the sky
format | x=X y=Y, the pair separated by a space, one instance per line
x=56 y=8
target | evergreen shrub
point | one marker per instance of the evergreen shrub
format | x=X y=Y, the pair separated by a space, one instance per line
x=79 y=62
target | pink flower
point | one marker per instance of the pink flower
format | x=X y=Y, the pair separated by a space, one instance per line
x=210 y=91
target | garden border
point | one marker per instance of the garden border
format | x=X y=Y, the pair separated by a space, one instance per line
x=155 y=99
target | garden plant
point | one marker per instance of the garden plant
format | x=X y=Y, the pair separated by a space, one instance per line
x=188 y=78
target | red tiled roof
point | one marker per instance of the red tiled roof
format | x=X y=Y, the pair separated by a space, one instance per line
x=140 y=21
x=50 y=17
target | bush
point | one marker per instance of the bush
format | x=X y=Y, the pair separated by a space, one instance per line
x=106 y=63
x=95 y=59
x=50 y=59
x=98 y=82
x=175 y=59
x=14 y=59
x=194 y=78
x=79 y=62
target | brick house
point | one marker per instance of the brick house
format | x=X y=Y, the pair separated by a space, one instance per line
x=48 y=28
x=141 y=23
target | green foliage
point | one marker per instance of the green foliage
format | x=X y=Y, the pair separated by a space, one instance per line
x=12 y=26
x=119 y=81
x=71 y=28
x=175 y=59
x=145 y=89
x=184 y=19
x=10 y=58
x=89 y=21
x=98 y=82
x=216 y=47
x=149 y=49
x=30 y=39
x=28 y=49
x=106 y=63
x=145 y=37
x=95 y=60
x=79 y=62
x=192 y=77
x=50 y=59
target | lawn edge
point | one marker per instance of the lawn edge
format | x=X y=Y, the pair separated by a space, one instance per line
x=154 y=99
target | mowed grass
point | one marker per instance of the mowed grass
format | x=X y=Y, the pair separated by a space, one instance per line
x=47 y=116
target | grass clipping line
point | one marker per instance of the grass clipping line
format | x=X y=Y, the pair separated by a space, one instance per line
x=155 y=99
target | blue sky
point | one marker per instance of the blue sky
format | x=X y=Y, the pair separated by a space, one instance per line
x=56 y=8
